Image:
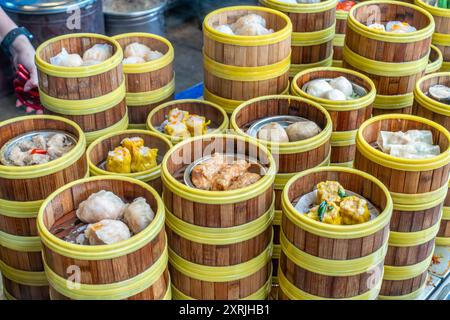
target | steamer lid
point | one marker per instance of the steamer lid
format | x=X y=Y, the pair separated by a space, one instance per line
x=43 y=6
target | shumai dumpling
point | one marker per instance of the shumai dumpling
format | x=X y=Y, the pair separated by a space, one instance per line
x=197 y=125
x=138 y=215
x=99 y=206
x=143 y=159
x=273 y=132
x=177 y=115
x=107 y=232
x=326 y=212
x=331 y=191
x=177 y=129
x=133 y=142
x=119 y=160
x=302 y=130
x=354 y=210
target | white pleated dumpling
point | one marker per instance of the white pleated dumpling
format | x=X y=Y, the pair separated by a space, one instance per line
x=107 y=232
x=98 y=52
x=138 y=215
x=439 y=92
x=249 y=19
x=133 y=60
x=317 y=88
x=252 y=30
x=342 y=84
x=224 y=28
x=64 y=59
x=273 y=132
x=334 y=95
x=136 y=49
x=99 y=206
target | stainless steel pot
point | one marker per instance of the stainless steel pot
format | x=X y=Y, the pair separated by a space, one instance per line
x=150 y=21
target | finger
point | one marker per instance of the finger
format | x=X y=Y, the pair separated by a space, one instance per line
x=33 y=81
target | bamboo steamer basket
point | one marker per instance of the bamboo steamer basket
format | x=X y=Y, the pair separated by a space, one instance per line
x=104 y=272
x=435 y=61
x=346 y=116
x=322 y=261
x=441 y=35
x=92 y=96
x=418 y=188
x=22 y=190
x=290 y=157
x=220 y=241
x=313 y=26
x=426 y=107
x=394 y=61
x=98 y=151
x=239 y=68
x=148 y=84
x=339 y=37
x=209 y=110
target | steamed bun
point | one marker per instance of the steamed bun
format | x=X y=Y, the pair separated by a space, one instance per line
x=138 y=215
x=335 y=95
x=318 y=88
x=99 y=206
x=302 y=130
x=107 y=232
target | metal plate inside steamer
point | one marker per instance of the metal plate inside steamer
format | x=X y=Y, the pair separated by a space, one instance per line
x=284 y=121
x=255 y=167
x=7 y=147
x=359 y=90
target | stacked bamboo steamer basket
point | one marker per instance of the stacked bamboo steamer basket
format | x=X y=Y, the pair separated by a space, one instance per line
x=104 y=272
x=313 y=32
x=339 y=37
x=220 y=242
x=435 y=61
x=92 y=96
x=239 y=68
x=323 y=261
x=148 y=84
x=290 y=157
x=98 y=151
x=211 y=111
x=441 y=35
x=347 y=116
x=418 y=188
x=22 y=191
x=426 y=107
x=394 y=61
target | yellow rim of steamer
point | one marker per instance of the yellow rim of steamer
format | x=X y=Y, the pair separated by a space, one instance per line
x=427 y=102
x=26 y=278
x=20 y=243
x=247 y=41
x=337 y=231
x=434 y=66
x=79 y=72
x=300 y=7
x=146 y=176
x=36 y=171
x=398 y=273
x=121 y=125
x=110 y=251
x=137 y=99
x=410 y=296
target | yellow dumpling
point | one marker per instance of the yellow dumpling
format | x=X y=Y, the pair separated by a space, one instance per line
x=119 y=160
x=197 y=125
x=354 y=210
x=177 y=129
x=143 y=159
x=326 y=212
x=131 y=143
x=330 y=191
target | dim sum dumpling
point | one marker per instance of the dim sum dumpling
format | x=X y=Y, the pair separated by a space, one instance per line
x=99 y=52
x=99 y=206
x=136 y=49
x=377 y=27
x=138 y=215
x=153 y=55
x=289 y=1
x=334 y=95
x=107 y=232
x=58 y=145
x=317 y=88
x=302 y=130
x=439 y=92
x=249 y=19
x=64 y=59
x=273 y=132
x=133 y=60
x=253 y=30
x=224 y=28
x=343 y=85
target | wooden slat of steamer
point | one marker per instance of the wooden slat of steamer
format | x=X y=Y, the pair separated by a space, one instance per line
x=402 y=287
x=230 y=290
x=406 y=256
x=23 y=292
x=26 y=261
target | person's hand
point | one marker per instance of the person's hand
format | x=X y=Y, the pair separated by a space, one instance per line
x=23 y=53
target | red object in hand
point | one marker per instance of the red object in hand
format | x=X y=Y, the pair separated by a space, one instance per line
x=345 y=5
x=38 y=151
x=29 y=99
